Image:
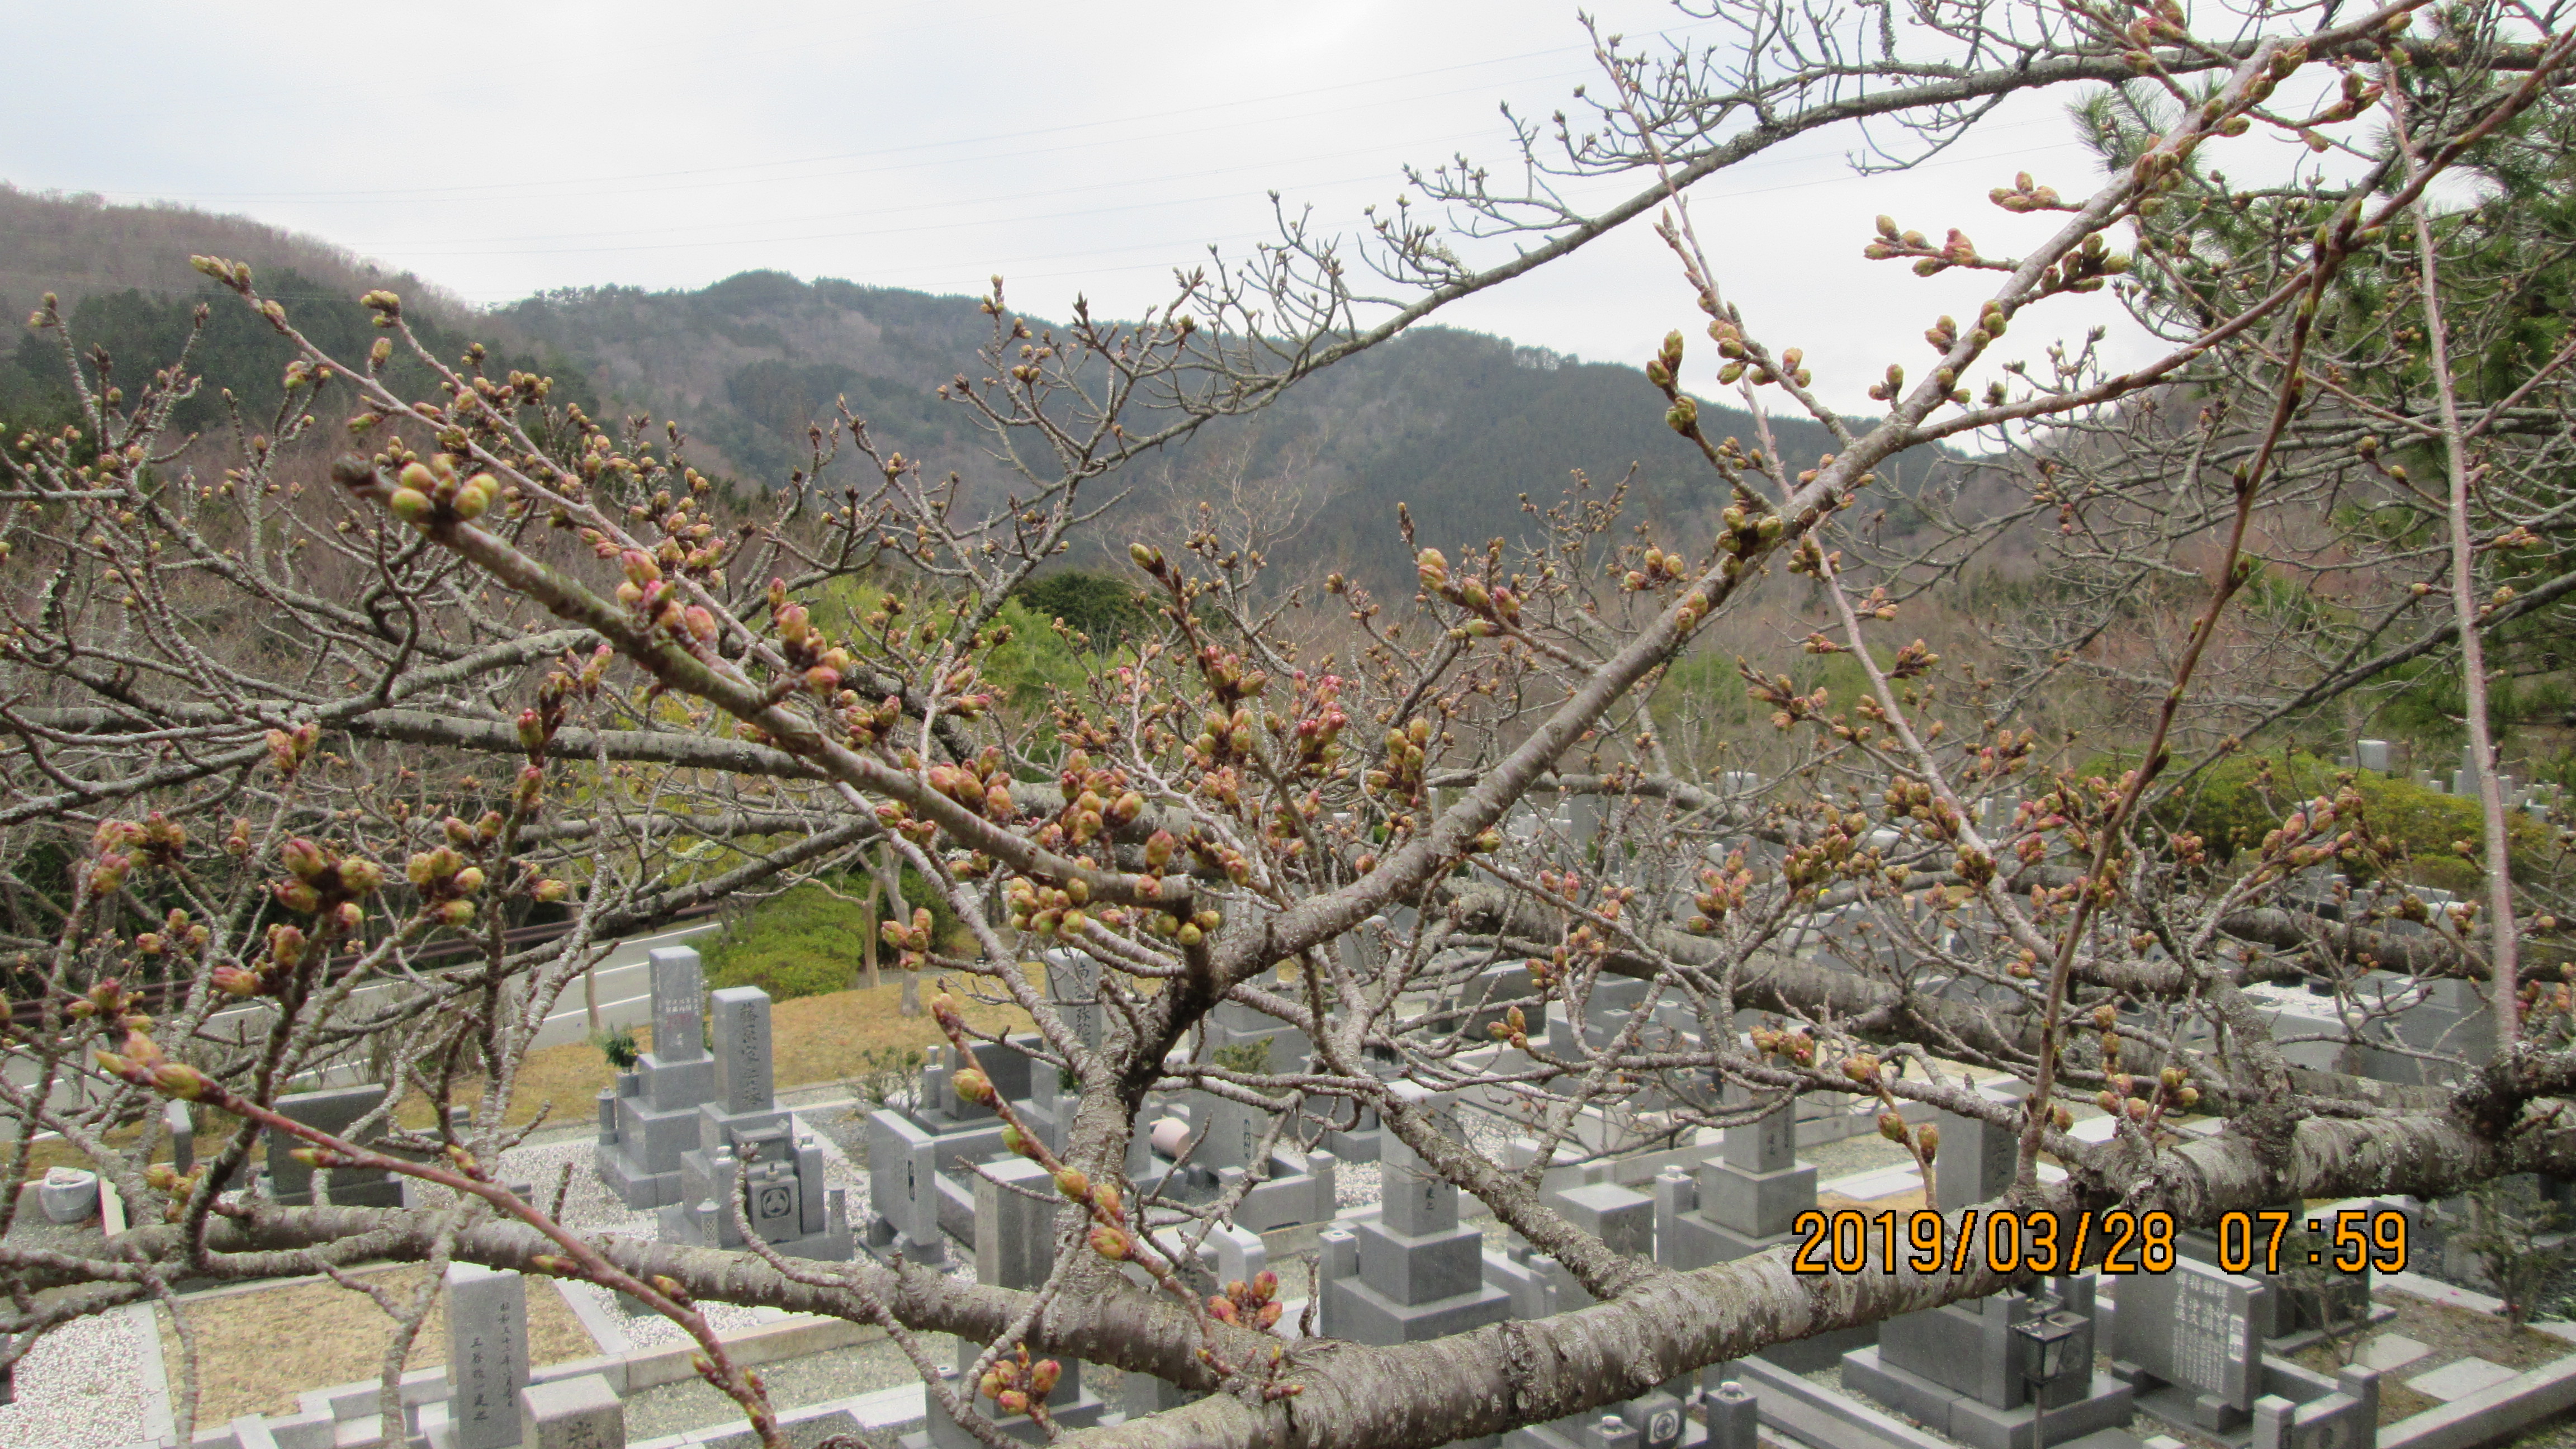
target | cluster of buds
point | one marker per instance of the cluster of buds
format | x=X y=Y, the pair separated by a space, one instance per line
x=1220 y=858
x=1223 y=738
x=1406 y=758
x=1016 y=1385
x=445 y=878
x=649 y=596
x=427 y=494
x=1097 y=801
x=1924 y=1141
x=1654 y=570
x=118 y=846
x=912 y=940
x=288 y=950
x=1253 y=1305
x=1781 y=692
x=1747 y=532
x=896 y=816
x=141 y=1061
x=177 y=934
x=108 y=1000
x=2084 y=269
x=326 y=885
x=178 y=1187
x=1189 y=932
x=1796 y=1046
x=814 y=662
x=982 y=785
x=1228 y=678
x=1497 y=608
x=1319 y=732
x=289 y=749
x=2025 y=196
x=1722 y=889
x=1513 y=1028
x=870 y=724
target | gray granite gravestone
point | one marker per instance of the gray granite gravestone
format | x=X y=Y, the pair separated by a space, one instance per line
x=487 y=1357
x=750 y=1153
x=332 y=1110
x=1014 y=1248
x=1962 y=1370
x=651 y=1117
x=1624 y=1221
x=582 y=1413
x=2187 y=1340
x=1414 y=1272
x=183 y=1136
x=1977 y=1161
x=1743 y=1200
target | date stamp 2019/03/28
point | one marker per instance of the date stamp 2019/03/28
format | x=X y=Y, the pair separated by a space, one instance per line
x=2007 y=1241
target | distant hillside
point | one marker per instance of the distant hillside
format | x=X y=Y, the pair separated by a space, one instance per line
x=1456 y=425
x=81 y=246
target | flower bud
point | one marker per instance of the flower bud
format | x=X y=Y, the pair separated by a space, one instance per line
x=1109 y=1242
x=971 y=1085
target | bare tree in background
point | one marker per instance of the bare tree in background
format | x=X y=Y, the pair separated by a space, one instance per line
x=273 y=738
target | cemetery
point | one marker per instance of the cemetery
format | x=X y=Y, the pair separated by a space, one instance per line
x=695 y=1143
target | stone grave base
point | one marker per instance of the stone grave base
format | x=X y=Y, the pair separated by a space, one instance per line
x=2107 y=1405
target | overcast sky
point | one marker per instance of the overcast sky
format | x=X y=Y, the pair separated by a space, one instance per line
x=1073 y=148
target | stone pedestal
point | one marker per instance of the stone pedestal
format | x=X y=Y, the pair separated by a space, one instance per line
x=582 y=1413
x=1742 y=1202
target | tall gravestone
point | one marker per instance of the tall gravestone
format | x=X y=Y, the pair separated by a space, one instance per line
x=2188 y=1342
x=1413 y=1272
x=487 y=1359
x=1742 y=1202
x=334 y=1110
x=651 y=1116
x=183 y=1136
x=1017 y=1216
x=750 y=1153
x=1624 y=1221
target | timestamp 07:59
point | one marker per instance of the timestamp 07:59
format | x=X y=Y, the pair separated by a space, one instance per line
x=1852 y=1241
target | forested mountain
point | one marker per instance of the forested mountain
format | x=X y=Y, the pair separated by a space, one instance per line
x=1456 y=425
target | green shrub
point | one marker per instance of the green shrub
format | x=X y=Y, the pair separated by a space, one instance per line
x=806 y=942
x=2235 y=802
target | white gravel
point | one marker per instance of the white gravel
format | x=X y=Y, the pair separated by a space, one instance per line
x=80 y=1387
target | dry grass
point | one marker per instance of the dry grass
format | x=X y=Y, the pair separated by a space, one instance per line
x=258 y=1350
x=813 y=1039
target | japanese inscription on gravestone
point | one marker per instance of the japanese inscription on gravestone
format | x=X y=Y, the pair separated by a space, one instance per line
x=2193 y=1327
x=487 y=1355
x=676 y=984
